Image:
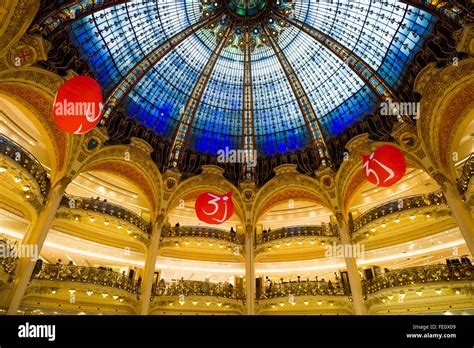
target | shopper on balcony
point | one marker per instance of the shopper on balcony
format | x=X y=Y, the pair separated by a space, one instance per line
x=38 y=267
x=232 y=234
x=268 y=284
x=465 y=261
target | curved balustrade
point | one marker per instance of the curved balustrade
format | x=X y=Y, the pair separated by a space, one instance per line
x=197 y=288
x=417 y=275
x=8 y=264
x=326 y=230
x=398 y=205
x=202 y=232
x=75 y=202
x=467 y=173
x=89 y=275
x=308 y=288
x=18 y=154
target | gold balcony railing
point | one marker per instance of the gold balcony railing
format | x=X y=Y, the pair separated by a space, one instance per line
x=198 y=288
x=419 y=275
x=396 y=206
x=467 y=173
x=202 y=232
x=18 y=154
x=325 y=230
x=302 y=288
x=8 y=264
x=106 y=208
x=89 y=275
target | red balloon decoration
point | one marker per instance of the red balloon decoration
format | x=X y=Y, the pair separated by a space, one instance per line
x=385 y=166
x=214 y=209
x=78 y=105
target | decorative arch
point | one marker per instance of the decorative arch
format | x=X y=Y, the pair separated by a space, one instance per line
x=208 y=182
x=350 y=175
x=446 y=105
x=140 y=170
x=37 y=107
x=279 y=188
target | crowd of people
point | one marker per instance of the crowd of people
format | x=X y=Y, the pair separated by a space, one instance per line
x=232 y=232
x=457 y=262
x=335 y=283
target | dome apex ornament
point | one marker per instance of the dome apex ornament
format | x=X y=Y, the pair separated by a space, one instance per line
x=247 y=8
x=249 y=17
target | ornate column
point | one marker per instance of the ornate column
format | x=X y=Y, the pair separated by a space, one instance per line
x=35 y=236
x=149 y=271
x=460 y=212
x=249 y=270
x=351 y=265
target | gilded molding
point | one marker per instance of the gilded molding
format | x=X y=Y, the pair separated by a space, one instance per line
x=21 y=18
x=44 y=80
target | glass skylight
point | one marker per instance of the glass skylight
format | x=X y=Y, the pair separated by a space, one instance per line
x=386 y=35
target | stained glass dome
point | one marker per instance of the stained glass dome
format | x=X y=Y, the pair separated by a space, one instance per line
x=272 y=76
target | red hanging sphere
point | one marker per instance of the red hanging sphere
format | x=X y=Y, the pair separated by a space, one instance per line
x=214 y=209
x=78 y=105
x=385 y=166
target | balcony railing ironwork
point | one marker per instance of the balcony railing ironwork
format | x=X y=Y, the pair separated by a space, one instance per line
x=198 y=288
x=396 y=206
x=89 y=275
x=303 y=288
x=18 y=154
x=419 y=275
x=8 y=264
x=75 y=202
x=325 y=230
x=467 y=173
x=202 y=232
